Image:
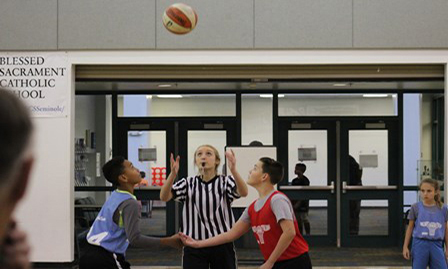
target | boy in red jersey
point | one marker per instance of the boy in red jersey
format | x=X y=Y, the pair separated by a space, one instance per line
x=272 y=220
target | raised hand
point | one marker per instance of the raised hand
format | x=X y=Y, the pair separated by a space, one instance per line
x=174 y=164
x=231 y=158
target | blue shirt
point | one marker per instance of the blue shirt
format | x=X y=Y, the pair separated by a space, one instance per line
x=430 y=221
x=105 y=232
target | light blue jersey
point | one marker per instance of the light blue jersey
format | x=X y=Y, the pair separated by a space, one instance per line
x=430 y=223
x=105 y=232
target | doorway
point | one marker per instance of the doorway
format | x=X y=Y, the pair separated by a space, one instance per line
x=353 y=167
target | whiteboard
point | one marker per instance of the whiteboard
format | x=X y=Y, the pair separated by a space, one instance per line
x=246 y=158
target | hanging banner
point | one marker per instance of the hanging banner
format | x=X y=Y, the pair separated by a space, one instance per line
x=41 y=80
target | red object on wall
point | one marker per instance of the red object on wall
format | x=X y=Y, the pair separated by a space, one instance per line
x=158 y=176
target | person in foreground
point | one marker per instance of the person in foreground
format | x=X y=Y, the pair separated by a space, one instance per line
x=427 y=225
x=272 y=220
x=16 y=162
x=117 y=224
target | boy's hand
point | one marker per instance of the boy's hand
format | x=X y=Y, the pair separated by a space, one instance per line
x=172 y=241
x=15 y=250
x=188 y=241
x=446 y=253
x=174 y=164
x=267 y=265
x=406 y=254
x=232 y=160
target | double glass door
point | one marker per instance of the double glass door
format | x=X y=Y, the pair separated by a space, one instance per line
x=353 y=168
x=148 y=143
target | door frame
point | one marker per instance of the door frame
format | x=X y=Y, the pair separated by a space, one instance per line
x=337 y=146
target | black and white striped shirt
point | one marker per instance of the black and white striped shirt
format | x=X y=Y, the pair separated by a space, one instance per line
x=207 y=209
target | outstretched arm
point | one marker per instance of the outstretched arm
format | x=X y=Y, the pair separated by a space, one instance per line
x=240 y=228
x=241 y=186
x=130 y=213
x=165 y=192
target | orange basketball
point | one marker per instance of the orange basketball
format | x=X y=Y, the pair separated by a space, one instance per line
x=179 y=19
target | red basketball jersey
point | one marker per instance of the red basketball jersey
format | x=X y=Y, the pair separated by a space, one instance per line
x=267 y=232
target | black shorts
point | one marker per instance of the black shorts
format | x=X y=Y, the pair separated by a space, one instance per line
x=218 y=257
x=95 y=257
x=301 y=262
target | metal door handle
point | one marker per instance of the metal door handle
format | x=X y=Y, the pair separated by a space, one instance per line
x=378 y=187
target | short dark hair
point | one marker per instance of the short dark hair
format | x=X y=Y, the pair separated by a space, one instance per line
x=16 y=129
x=113 y=169
x=255 y=143
x=273 y=168
x=302 y=165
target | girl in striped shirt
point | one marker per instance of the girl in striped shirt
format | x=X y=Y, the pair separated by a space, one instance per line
x=207 y=211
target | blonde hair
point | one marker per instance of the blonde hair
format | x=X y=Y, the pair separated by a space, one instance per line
x=216 y=155
x=435 y=184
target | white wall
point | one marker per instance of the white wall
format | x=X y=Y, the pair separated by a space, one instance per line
x=47 y=212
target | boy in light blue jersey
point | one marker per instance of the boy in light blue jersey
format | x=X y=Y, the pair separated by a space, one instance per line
x=117 y=224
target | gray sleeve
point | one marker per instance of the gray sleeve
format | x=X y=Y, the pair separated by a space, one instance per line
x=282 y=208
x=245 y=216
x=130 y=211
x=413 y=212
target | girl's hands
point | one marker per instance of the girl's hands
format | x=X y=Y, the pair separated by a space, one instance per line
x=174 y=164
x=406 y=253
x=188 y=241
x=232 y=160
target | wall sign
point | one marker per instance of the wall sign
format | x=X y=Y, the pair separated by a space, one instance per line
x=39 y=79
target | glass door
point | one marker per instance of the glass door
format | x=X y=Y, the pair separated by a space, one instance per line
x=147 y=142
x=312 y=144
x=352 y=165
x=370 y=205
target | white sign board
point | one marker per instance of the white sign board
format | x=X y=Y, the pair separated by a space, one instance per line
x=39 y=79
x=246 y=158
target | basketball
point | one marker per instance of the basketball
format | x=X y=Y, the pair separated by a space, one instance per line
x=180 y=19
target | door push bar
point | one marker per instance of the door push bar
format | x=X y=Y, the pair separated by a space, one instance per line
x=345 y=187
x=310 y=188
